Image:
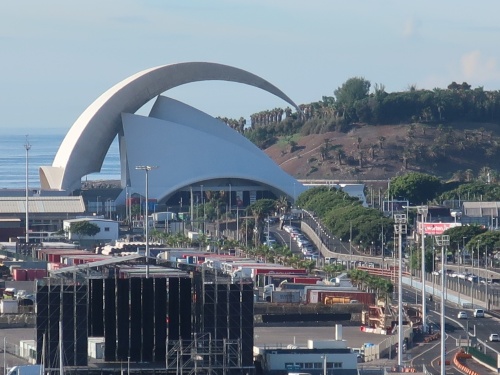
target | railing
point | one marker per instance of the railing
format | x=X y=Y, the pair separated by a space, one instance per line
x=481 y=357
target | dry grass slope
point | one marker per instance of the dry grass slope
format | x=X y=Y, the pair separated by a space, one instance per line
x=381 y=152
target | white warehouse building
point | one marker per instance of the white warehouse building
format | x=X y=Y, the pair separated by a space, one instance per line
x=108 y=231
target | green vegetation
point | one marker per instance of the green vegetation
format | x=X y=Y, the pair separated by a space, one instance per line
x=352 y=102
x=417 y=188
x=447 y=128
x=370 y=283
x=345 y=217
x=84 y=228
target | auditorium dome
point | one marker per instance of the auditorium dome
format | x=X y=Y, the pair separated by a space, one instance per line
x=189 y=147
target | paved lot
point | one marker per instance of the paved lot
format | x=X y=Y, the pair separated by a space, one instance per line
x=283 y=336
x=12 y=338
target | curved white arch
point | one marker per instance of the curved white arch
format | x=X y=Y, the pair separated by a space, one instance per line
x=85 y=146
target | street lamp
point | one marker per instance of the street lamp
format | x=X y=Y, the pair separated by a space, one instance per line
x=423 y=210
x=27 y=147
x=400 y=228
x=443 y=241
x=203 y=204
x=146 y=168
x=350 y=241
x=108 y=201
x=166 y=223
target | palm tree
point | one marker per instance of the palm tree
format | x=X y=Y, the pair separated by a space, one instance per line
x=360 y=158
x=459 y=176
x=381 y=141
x=358 y=142
x=469 y=175
x=340 y=155
x=282 y=204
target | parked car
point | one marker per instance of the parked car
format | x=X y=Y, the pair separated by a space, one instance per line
x=462 y=315
x=473 y=279
x=478 y=313
x=494 y=337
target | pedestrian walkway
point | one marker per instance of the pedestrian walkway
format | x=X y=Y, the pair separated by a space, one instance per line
x=450 y=295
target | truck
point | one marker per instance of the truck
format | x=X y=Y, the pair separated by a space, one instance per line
x=281 y=296
x=26 y=370
x=160 y=217
x=242 y=274
x=277 y=279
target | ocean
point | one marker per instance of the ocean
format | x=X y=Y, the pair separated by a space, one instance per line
x=43 y=150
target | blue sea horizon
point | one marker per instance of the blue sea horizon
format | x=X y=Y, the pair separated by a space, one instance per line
x=43 y=149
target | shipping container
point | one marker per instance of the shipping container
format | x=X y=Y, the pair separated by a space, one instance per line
x=307 y=280
x=96 y=347
x=31 y=276
x=27 y=350
x=20 y=274
x=9 y=306
x=292 y=296
x=40 y=274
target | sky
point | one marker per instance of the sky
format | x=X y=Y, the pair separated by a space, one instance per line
x=58 y=56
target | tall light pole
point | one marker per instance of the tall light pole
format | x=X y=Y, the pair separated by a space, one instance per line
x=400 y=228
x=108 y=201
x=146 y=168
x=27 y=147
x=423 y=210
x=443 y=241
x=202 y=198
x=350 y=241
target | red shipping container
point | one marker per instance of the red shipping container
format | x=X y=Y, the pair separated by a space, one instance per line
x=19 y=274
x=306 y=280
x=31 y=275
x=40 y=274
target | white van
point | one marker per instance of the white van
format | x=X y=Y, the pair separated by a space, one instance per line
x=478 y=313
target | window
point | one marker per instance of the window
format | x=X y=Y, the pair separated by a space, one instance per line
x=318 y=365
x=308 y=365
x=299 y=365
x=337 y=364
x=106 y=229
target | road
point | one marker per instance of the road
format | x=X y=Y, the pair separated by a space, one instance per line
x=456 y=333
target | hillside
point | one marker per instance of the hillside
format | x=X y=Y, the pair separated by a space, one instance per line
x=455 y=151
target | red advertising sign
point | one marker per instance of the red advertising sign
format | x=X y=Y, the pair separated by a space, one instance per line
x=434 y=229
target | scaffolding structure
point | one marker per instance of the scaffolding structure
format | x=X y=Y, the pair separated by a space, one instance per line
x=206 y=324
x=61 y=305
x=205 y=355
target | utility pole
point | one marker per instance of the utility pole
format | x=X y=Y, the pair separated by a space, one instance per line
x=443 y=241
x=27 y=147
x=146 y=168
x=423 y=210
x=400 y=228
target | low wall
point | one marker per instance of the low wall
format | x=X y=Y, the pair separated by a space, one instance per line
x=17 y=320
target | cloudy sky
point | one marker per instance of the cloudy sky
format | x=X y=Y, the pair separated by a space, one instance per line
x=57 y=57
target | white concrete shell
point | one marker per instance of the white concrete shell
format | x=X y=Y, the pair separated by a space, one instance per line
x=191 y=148
x=86 y=144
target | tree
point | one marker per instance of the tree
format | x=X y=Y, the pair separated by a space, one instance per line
x=84 y=228
x=416 y=187
x=259 y=210
x=353 y=90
